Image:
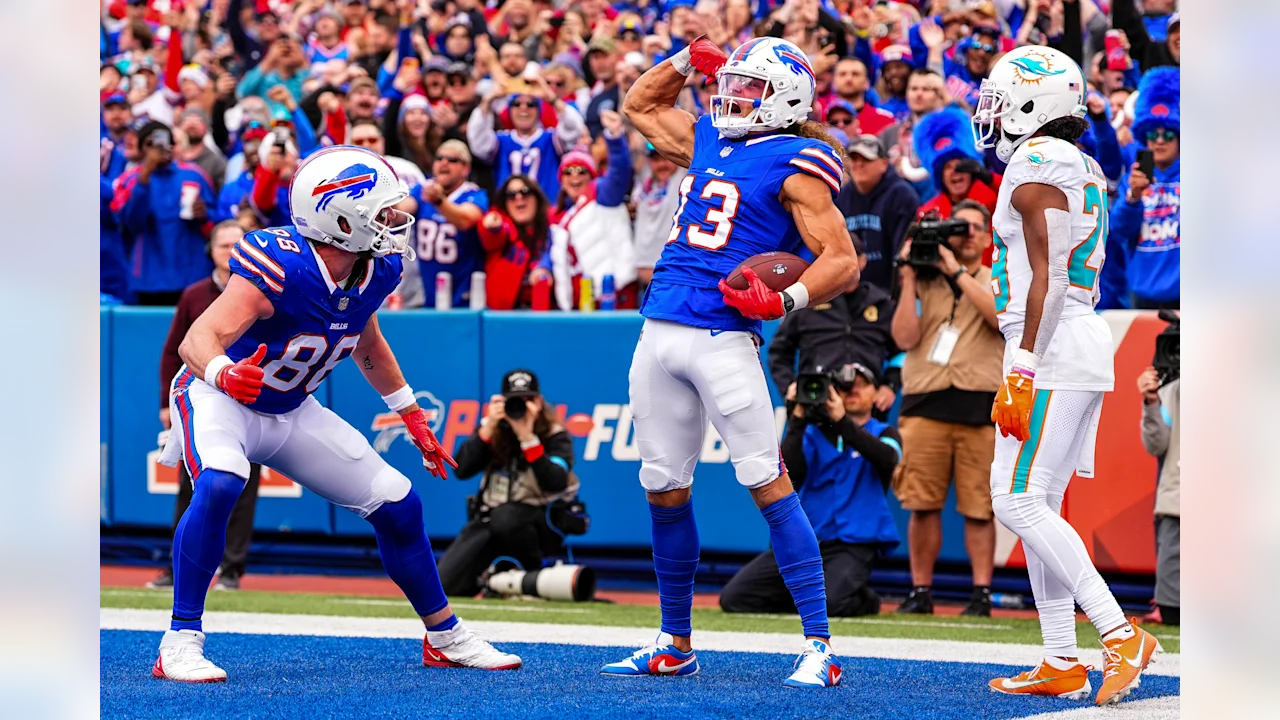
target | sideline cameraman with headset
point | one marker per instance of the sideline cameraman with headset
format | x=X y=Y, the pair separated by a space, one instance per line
x=952 y=371
x=1161 y=436
x=841 y=461
x=527 y=460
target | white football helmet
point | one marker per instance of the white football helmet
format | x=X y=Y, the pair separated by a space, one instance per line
x=1026 y=89
x=342 y=196
x=767 y=84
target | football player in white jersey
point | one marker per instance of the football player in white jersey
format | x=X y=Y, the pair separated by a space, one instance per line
x=1050 y=233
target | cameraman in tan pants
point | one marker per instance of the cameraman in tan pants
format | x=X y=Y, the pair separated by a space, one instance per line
x=952 y=371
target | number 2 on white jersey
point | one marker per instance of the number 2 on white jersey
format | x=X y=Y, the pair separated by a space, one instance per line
x=1079 y=272
x=721 y=218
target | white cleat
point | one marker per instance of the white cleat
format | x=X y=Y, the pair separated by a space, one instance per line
x=182 y=659
x=458 y=647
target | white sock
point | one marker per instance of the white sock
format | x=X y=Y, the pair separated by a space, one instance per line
x=1122 y=633
x=1059 y=547
x=1054 y=603
x=1056 y=662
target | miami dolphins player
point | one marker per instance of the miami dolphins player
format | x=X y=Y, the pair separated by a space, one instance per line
x=760 y=179
x=1050 y=238
x=302 y=298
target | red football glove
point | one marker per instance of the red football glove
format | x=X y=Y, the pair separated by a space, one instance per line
x=243 y=381
x=757 y=302
x=434 y=456
x=706 y=57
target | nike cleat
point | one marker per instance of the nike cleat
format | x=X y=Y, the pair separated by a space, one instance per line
x=816 y=667
x=459 y=647
x=660 y=657
x=182 y=659
x=1124 y=662
x=1044 y=679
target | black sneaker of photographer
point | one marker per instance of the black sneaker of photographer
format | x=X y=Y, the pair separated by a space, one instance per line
x=919 y=602
x=227 y=582
x=163 y=582
x=979 y=603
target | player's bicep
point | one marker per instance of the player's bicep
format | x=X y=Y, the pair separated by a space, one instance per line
x=1031 y=200
x=670 y=130
x=232 y=313
x=821 y=225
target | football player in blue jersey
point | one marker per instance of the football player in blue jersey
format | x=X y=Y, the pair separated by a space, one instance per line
x=448 y=208
x=301 y=298
x=760 y=178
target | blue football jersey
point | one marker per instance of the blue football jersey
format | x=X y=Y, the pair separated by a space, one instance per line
x=534 y=156
x=729 y=211
x=443 y=248
x=316 y=322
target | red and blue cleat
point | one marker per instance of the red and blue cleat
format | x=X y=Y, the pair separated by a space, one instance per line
x=658 y=658
x=816 y=667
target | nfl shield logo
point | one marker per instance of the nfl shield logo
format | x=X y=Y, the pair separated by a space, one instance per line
x=342 y=304
x=725 y=152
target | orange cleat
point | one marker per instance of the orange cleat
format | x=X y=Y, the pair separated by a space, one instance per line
x=1125 y=660
x=1045 y=679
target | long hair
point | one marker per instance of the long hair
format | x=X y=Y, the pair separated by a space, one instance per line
x=816 y=131
x=505 y=444
x=421 y=149
x=534 y=236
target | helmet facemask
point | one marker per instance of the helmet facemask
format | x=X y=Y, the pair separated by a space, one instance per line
x=743 y=103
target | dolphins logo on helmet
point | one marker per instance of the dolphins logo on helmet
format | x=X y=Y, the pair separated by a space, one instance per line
x=354 y=181
x=1033 y=67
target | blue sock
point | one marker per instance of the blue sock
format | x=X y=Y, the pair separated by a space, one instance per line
x=796 y=549
x=675 y=560
x=198 y=544
x=446 y=624
x=406 y=553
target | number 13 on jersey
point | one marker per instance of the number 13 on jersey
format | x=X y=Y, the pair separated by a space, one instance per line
x=710 y=221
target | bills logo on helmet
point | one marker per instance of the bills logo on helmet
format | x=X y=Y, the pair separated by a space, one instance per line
x=795 y=63
x=354 y=181
x=1033 y=67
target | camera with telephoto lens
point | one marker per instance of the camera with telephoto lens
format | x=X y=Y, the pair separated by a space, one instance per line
x=1168 y=357
x=515 y=407
x=928 y=235
x=813 y=389
x=575 y=583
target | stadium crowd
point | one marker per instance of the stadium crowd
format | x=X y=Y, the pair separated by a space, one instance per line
x=503 y=119
x=207 y=106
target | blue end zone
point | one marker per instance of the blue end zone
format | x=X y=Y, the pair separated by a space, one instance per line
x=318 y=677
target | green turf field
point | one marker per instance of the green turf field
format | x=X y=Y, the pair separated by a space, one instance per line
x=919 y=627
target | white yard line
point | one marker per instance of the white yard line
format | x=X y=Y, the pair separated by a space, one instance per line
x=464 y=606
x=786 y=644
x=1161 y=708
x=883 y=621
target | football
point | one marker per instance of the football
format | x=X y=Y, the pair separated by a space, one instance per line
x=778 y=270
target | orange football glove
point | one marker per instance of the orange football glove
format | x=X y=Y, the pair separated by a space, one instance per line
x=1011 y=411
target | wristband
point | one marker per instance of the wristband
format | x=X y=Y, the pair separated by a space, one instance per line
x=682 y=62
x=532 y=442
x=400 y=399
x=1025 y=362
x=214 y=367
x=795 y=297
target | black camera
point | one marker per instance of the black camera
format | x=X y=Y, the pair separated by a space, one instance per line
x=515 y=407
x=813 y=389
x=1168 y=357
x=928 y=235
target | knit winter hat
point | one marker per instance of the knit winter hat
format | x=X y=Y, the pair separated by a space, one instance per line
x=578 y=157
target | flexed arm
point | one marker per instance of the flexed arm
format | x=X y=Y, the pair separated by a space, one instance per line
x=650 y=103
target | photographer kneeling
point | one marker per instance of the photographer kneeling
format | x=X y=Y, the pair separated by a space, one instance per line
x=527 y=459
x=841 y=461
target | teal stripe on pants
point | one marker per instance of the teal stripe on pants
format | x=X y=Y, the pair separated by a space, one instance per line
x=1022 y=470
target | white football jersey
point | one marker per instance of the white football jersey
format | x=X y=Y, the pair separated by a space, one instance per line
x=1080 y=354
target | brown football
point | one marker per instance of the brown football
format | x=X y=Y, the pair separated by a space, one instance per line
x=778 y=270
